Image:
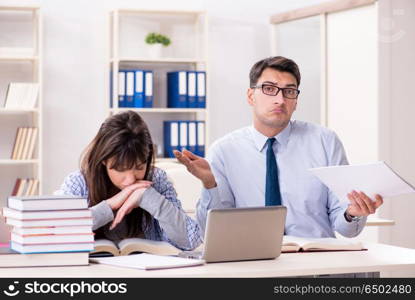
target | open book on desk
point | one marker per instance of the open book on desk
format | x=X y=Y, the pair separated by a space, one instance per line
x=146 y=261
x=300 y=244
x=373 y=178
x=129 y=246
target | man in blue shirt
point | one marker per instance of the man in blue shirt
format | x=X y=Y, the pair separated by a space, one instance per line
x=267 y=163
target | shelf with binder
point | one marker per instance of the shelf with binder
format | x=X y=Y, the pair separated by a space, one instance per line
x=160 y=60
x=20 y=68
x=132 y=82
x=160 y=110
x=129 y=62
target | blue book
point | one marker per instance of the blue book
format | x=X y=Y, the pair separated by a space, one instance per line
x=192 y=136
x=148 y=89
x=129 y=88
x=177 y=89
x=200 y=141
x=111 y=89
x=139 y=88
x=171 y=137
x=201 y=89
x=191 y=89
x=121 y=88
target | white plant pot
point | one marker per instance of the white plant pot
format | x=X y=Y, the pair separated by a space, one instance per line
x=154 y=51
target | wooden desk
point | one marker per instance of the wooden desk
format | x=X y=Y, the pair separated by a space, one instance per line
x=378 y=258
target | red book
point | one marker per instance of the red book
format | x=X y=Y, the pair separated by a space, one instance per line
x=16 y=187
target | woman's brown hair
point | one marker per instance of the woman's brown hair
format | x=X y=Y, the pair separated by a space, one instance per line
x=125 y=138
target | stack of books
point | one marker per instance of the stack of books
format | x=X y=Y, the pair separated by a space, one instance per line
x=56 y=229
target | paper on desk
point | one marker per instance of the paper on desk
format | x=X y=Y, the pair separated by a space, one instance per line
x=373 y=178
x=147 y=261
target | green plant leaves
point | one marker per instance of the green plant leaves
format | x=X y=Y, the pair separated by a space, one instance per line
x=156 y=38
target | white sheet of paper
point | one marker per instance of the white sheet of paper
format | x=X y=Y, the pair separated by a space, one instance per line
x=148 y=261
x=373 y=178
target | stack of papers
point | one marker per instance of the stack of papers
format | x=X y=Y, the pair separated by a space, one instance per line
x=372 y=179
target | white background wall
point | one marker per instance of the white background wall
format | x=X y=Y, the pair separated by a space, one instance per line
x=75 y=48
x=75 y=44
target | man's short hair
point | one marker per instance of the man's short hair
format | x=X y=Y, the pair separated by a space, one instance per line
x=278 y=63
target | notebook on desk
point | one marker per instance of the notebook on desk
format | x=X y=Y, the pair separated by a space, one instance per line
x=235 y=234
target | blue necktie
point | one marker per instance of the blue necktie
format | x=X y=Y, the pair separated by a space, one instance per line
x=272 y=186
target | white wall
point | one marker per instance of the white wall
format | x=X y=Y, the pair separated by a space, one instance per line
x=397 y=35
x=291 y=39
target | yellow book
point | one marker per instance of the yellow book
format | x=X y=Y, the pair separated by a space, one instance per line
x=19 y=133
x=20 y=146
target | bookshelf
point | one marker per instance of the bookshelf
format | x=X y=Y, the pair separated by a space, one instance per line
x=20 y=61
x=187 y=31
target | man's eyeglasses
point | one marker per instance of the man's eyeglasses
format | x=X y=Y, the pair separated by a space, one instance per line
x=273 y=90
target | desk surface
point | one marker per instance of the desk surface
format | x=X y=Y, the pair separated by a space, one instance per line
x=378 y=258
x=375 y=221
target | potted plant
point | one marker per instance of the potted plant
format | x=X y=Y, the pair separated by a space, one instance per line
x=155 y=42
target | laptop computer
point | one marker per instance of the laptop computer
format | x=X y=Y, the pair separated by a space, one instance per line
x=248 y=233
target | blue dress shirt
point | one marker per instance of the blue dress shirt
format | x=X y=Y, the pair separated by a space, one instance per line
x=238 y=162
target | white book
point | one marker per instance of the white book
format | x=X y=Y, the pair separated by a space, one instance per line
x=21 y=95
x=148 y=261
x=130 y=245
x=12 y=96
x=52 y=230
x=32 y=95
x=52 y=238
x=45 y=248
x=17 y=142
x=49 y=222
x=47 y=202
x=46 y=214
x=373 y=178
x=300 y=244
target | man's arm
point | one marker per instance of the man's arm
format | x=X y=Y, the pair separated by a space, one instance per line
x=336 y=209
x=216 y=191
